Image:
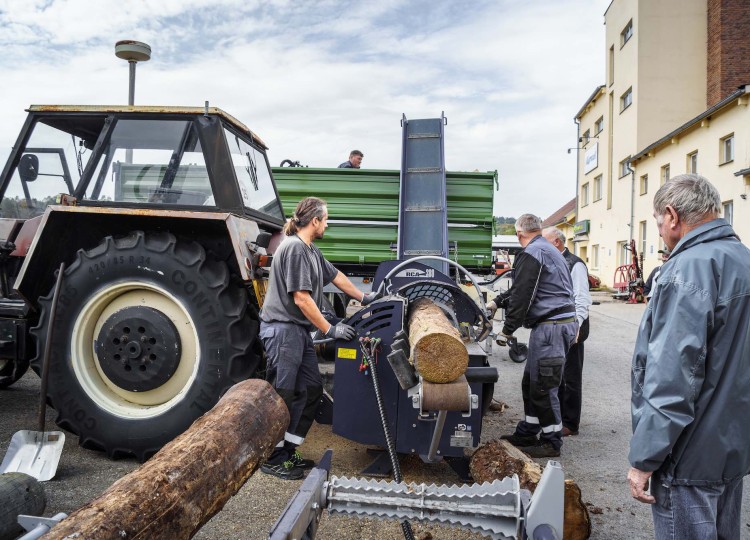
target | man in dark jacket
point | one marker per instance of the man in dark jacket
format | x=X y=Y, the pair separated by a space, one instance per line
x=691 y=371
x=541 y=298
x=355 y=160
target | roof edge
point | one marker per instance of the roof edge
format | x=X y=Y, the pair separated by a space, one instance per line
x=592 y=97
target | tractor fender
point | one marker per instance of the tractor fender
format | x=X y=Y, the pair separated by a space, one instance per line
x=64 y=230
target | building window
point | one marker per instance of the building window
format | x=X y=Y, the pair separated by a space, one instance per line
x=626 y=33
x=626 y=99
x=599 y=126
x=586 y=137
x=727 y=149
x=624 y=169
x=612 y=65
x=728 y=208
x=595 y=256
x=664 y=175
x=598 y=188
x=644 y=184
x=642 y=236
x=585 y=194
x=692 y=162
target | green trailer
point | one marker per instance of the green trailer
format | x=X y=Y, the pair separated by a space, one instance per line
x=363 y=205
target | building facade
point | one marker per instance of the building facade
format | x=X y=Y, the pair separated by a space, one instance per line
x=670 y=104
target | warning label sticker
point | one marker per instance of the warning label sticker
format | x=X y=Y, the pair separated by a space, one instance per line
x=347 y=354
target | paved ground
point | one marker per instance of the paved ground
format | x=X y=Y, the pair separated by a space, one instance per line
x=596 y=459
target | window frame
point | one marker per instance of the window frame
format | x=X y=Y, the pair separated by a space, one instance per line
x=691 y=164
x=585 y=194
x=599 y=125
x=723 y=158
x=664 y=178
x=622 y=167
x=643 y=184
x=626 y=34
x=597 y=193
x=595 y=257
x=626 y=99
x=728 y=204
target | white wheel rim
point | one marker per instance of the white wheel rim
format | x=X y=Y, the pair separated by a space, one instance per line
x=105 y=393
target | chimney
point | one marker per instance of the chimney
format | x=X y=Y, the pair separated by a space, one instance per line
x=728 y=62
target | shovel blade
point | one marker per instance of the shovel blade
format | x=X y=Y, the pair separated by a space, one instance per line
x=35 y=453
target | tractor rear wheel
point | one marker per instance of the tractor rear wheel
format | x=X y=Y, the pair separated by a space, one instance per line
x=149 y=333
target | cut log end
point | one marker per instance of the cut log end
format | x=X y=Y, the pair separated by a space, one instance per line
x=498 y=459
x=437 y=350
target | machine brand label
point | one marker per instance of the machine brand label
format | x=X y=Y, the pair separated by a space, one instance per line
x=347 y=354
x=428 y=273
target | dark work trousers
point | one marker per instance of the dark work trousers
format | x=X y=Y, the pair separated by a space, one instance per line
x=292 y=369
x=548 y=343
x=571 y=387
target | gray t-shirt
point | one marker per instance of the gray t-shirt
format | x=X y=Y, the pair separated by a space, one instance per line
x=295 y=267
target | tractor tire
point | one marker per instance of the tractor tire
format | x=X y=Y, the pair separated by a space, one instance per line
x=11 y=371
x=149 y=333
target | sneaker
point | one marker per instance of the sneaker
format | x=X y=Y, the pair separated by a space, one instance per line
x=542 y=449
x=567 y=432
x=285 y=471
x=301 y=462
x=520 y=441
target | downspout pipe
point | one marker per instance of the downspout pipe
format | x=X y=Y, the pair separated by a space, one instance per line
x=632 y=199
x=576 y=249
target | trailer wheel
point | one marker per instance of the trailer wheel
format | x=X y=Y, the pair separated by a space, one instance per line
x=150 y=332
x=11 y=371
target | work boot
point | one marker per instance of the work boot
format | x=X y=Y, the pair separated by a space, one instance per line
x=542 y=449
x=285 y=471
x=520 y=441
x=567 y=432
x=301 y=462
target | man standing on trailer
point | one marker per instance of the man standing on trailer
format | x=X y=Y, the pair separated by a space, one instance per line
x=541 y=298
x=355 y=160
x=290 y=312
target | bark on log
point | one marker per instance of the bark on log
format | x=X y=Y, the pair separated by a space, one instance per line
x=189 y=480
x=498 y=459
x=437 y=351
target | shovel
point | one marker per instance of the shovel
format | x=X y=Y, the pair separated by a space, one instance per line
x=37 y=453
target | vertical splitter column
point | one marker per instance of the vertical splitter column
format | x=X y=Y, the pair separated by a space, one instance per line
x=423 y=214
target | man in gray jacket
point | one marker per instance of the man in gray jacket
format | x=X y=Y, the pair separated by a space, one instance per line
x=691 y=371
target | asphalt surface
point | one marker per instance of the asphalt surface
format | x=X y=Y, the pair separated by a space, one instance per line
x=596 y=458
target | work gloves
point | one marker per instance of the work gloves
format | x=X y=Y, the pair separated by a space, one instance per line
x=502 y=339
x=341 y=331
x=491 y=309
x=369 y=298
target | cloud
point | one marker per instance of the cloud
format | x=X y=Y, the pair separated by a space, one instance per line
x=318 y=79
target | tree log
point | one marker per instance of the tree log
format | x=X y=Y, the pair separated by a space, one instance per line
x=189 y=480
x=498 y=459
x=437 y=351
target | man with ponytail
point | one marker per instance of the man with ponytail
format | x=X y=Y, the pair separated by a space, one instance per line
x=290 y=313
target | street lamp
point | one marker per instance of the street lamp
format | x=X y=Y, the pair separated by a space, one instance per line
x=133 y=52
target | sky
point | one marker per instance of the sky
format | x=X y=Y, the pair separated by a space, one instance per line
x=316 y=79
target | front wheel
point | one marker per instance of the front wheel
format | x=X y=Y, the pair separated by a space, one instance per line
x=150 y=332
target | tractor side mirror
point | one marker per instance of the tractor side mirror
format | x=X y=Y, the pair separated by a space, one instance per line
x=28 y=167
x=263 y=240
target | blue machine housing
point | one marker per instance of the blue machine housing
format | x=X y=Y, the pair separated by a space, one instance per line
x=355 y=410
